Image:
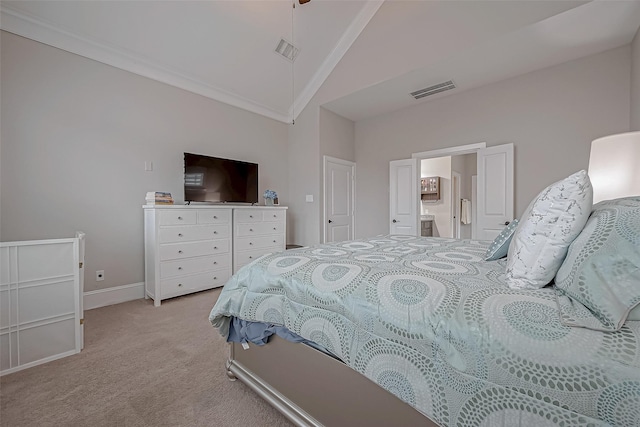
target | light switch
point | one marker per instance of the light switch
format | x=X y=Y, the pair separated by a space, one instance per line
x=148 y=165
x=309 y=197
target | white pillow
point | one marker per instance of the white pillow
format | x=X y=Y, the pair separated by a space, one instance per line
x=551 y=222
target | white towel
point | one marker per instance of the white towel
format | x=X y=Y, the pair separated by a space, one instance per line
x=465 y=211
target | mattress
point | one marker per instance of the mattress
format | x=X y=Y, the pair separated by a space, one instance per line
x=430 y=321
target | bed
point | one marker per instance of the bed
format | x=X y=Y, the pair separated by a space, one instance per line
x=422 y=331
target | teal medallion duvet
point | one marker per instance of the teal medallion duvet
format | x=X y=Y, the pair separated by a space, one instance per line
x=430 y=321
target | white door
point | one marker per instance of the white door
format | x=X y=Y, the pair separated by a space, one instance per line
x=339 y=189
x=495 y=190
x=404 y=217
x=455 y=204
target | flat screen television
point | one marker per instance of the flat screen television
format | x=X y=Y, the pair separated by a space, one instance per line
x=215 y=180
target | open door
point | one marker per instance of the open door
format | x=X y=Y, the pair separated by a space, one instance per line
x=404 y=217
x=81 y=237
x=495 y=190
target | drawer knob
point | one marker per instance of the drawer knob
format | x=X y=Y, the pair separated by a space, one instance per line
x=215 y=232
x=180 y=218
x=180 y=268
x=274 y=216
x=179 y=234
x=251 y=229
x=215 y=278
x=215 y=217
x=179 y=252
x=179 y=285
x=274 y=228
x=250 y=216
x=274 y=241
x=251 y=243
x=215 y=262
x=250 y=257
x=215 y=247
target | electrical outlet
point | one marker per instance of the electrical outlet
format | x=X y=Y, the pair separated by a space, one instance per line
x=99 y=275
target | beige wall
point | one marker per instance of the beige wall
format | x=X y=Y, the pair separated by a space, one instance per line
x=635 y=82
x=75 y=136
x=550 y=115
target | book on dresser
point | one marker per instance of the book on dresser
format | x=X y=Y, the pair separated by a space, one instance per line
x=194 y=248
x=159 y=198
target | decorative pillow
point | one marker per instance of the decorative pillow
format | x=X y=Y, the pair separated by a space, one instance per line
x=599 y=281
x=500 y=244
x=548 y=226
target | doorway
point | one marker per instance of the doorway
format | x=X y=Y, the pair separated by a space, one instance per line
x=443 y=214
x=494 y=189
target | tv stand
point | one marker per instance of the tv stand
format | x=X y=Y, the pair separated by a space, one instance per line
x=190 y=248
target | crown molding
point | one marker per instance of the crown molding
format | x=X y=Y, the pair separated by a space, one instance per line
x=34 y=28
x=345 y=42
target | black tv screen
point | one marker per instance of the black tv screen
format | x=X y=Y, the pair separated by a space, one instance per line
x=210 y=179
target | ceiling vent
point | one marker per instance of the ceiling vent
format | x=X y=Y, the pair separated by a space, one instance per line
x=287 y=50
x=432 y=90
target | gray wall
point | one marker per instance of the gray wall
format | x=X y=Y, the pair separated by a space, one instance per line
x=337 y=136
x=316 y=133
x=635 y=82
x=337 y=139
x=550 y=115
x=303 y=218
x=75 y=136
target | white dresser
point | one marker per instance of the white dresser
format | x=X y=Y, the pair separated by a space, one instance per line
x=186 y=249
x=257 y=231
x=193 y=248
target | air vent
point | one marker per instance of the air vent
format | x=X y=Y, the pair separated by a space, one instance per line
x=432 y=90
x=287 y=50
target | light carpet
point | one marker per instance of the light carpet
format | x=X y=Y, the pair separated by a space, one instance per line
x=141 y=366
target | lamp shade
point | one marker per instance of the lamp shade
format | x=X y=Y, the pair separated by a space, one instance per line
x=614 y=166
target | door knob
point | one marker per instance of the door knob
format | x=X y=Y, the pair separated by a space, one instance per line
x=394 y=221
x=330 y=221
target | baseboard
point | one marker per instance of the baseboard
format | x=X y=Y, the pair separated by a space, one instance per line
x=115 y=295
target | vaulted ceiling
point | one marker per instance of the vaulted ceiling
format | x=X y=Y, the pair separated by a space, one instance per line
x=225 y=50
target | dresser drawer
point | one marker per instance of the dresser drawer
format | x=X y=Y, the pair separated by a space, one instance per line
x=191 y=249
x=214 y=216
x=193 y=232
x=177 y=217
x=258 y=242
x=262 y=228
x=194 y=265
x=185 y=284
x=245 y=257
x=274 y=215
x=248 y=215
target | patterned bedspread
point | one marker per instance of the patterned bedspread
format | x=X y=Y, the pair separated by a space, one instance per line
x=431 y=322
